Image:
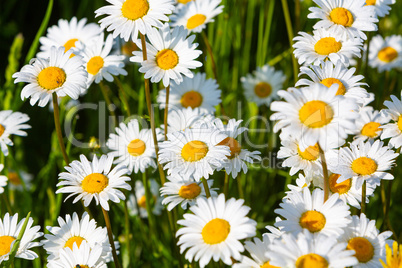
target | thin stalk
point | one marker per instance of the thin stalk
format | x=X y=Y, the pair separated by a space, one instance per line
x=127 y=229
x=240 y=187
x=165 y=117
x=297 y=16
x=325 y=172
x=108 y=102
x=8 y=206
x=363 y=203
x=123 y=95
x=110 y=235
x=148 y=197
x=369 y=35
x=206 y=188
x=226 y=185
x=57 y=126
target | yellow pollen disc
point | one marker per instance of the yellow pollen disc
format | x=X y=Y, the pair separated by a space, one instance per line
x=233 y=145
x=399 y=123
x=195 y=21
x=194 y=151
x=167 y=59
x=311 y=153
x=135 y=9
x=191 y=98
x=183 y=1
x=363 y=248
x=311 y=260
x=370 y=2
x=14 y=178
x=327 y=45
x=364 y=166
x=95 y=64
x=2 y=129
x=263 y=89
x=330 y=81
x=341 y=16
x=70 y=44
x=340 y=188
x=142 y=202
x=316 y=114
x=267 y=265
x=75 y=239
x=312 y=220
x=95 y=183
x=190 y=191
x=136 y=147
x=51 y=78
x=371 y=129
x=387 y=54
x=5 y=244
x=215 y=231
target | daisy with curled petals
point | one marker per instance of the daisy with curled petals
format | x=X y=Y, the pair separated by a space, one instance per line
x=308 y=251
x=369 y=124
x=328 y=73
x=325 y=45
x=347 y=18
x=133 y=147
x=58 y=74
x=180 y=119
x=171 y=54
x=393 y=130
x=141 y=200
x=315 y=114
x=9 y=231
x=195 y=15
x=364 y=162
x=382 y=7
x=11 y=124
x=308 y=211
x=386 y=54
x=94 y=179
x=193 y=152
x=393 y=259
x=197 y=92
x=128 y=17
x=263 y=85
x=362 y=236
x=178 y=190
x=214 y=229
x=3 y=180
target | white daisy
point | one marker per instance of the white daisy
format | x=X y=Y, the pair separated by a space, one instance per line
x=306 y=211
x=180 y=119
x=301 y=183
x=386 y=54
x=274 y=233
x=11 y=124
x=95 y=180
x=193 y=152
x=257 y=250
x=141 y=200
x=195 y=15
x=197 y=92
x=393 y=130
x=19 y=180
x=382 y=7
x=214 y=230
x=369 y=124
x=3 y=180
x=263 y=85
x=171 y=54
x=128 y=17
x=325 y=45
x=9 y=231
x=133 y=147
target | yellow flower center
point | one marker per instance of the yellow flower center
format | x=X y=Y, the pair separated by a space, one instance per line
x=387 y=54
x=95 y=183
x=191 y=98
x=267 y=265
x=311 y=153
x=136 y=147
x=327 y=45
x=142 y=202
x=5 y=244
x=75 y=239
x=340 y=188
x=190 y=191
x=363 y=248
x=135 y=9
x=371 y=129
x=316 y=114
x=364 y=166
x=51 y=78
x=195 y=21
x=81 y=266
x=341 y=16
x=167 y=59
x=311 y=260
x=2 y=129
x=194 y=151
x=215 y=231
x=370 y=2
x=330 y=81
x=14 y=178
x=263 y=89
x=399 y=123
x=70 y=44
x=233 y=145
x=313 y=221
x=95 y=64
x=183 y=1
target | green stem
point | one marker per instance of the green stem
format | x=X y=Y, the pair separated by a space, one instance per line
x=108 y=102
x=363 y=203
x=206 y=188
x=148 y=197
x=56 y=114
x=325 y=173
x=369 y=35
x=110 y=235
x=226 y=185
x=240 y=187
x=123 y=95
x=166 y=113
x=127 y=229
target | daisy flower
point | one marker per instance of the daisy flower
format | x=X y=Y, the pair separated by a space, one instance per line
x=193 y=152
x=197 y=92
x=393 y=130
x=325 y=45
x=328 y=73
x=263 y=85
x=257 y=250
x=94 y=179
x=141 y=200
x=306 y=211
x=386 y=54
x=369 y=124
x=20 y=180
x=184 y=191
x=133 y=147
x=301 y=183
x=346 y=18
x=180 y=119
x=9 y=231
x=128 y=17
x=171 y=54
x=368 y=243
x=66 y=34
x=3 y=180
x=364 y=162
x=59 y=73
x=195 y=15
x=393 y=259
x=382 y=7
x=214 y=230
x=11 y=124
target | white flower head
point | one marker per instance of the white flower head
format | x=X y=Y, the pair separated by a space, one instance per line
x=386 y=54
x=11 y=124
x=139 y=201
